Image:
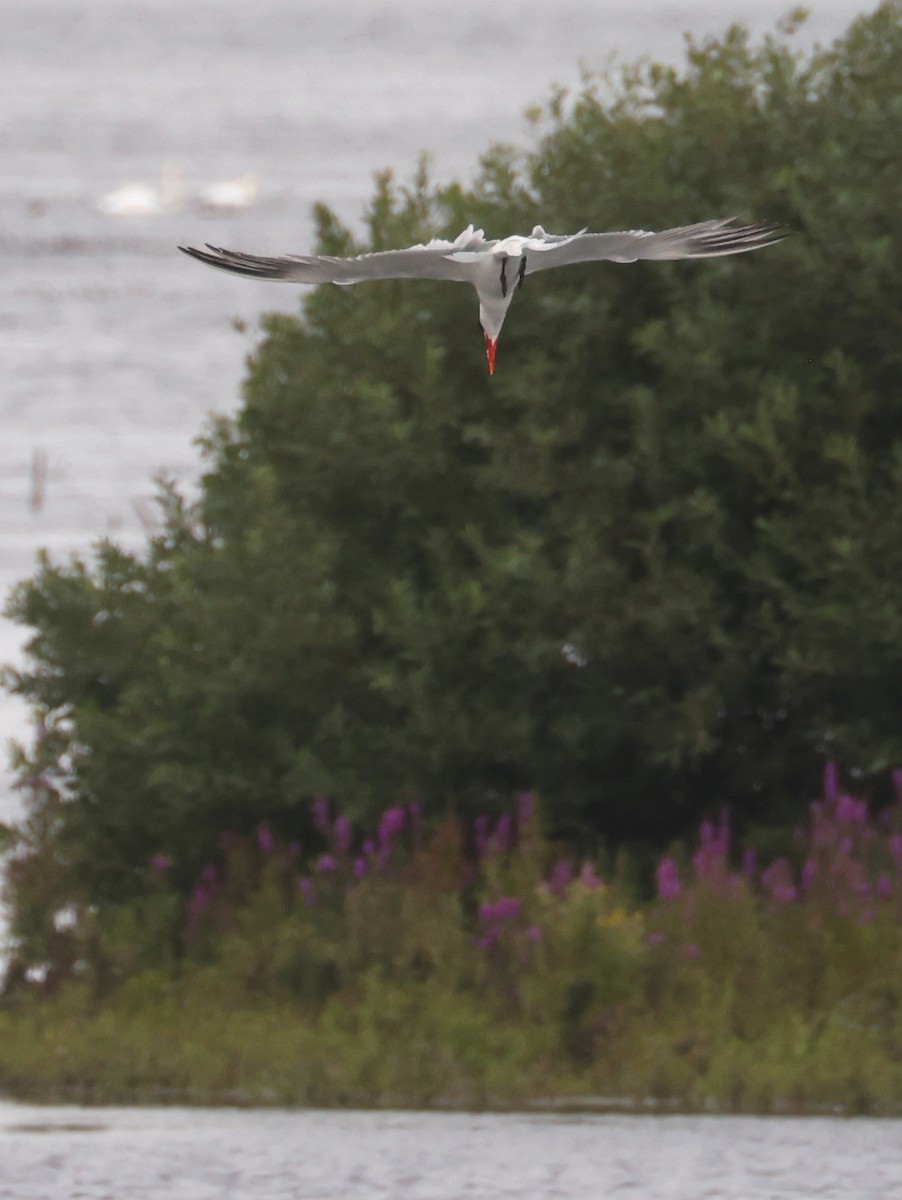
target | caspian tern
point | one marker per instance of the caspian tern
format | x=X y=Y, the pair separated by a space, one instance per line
x=496 y=267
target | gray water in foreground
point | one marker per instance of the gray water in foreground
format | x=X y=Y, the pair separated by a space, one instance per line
x=61 y=1153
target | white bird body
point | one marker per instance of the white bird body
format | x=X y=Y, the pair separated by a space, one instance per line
x=230 y=194
x=145 y=199
x=496 y=267
x=132 y=199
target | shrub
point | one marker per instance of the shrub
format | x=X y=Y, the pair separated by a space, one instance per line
x=651 y=567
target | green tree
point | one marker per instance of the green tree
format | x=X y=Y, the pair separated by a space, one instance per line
x=651 y=567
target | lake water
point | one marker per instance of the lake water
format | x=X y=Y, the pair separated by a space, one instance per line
x=209 y=1154
x=114 y=347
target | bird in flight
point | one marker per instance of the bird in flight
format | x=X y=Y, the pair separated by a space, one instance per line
x=496 y=267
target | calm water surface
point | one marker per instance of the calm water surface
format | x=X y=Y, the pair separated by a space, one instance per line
x=113 y=346
x=185 y=1154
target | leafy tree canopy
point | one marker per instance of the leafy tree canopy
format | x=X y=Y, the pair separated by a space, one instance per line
x=650 y=568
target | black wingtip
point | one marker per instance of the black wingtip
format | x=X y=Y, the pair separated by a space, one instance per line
x=736 y=238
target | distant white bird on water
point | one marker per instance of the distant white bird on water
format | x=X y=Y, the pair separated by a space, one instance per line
x=496 y=267
x=146 y=199
x=229 y=195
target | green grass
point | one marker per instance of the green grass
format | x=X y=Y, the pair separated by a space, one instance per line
x=420 y=1046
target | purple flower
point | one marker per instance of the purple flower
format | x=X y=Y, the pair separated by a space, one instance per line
x=208 y=874
x=560 y=876
x=326 y=863
x=342 y=831
x=884 y=887
x=321 y=814
x=589 y=877
x=777 y=880
x=896 y=777
x=809 y=873
x=668 y=877
x=307 y=890
x=710 y=860
x=831 y=781
x=359 y=867
x=505 y=908
x=691 y=950
x=160 y=863
x=749 y=863
x=656 y=938
x=534 y=933
x=851 y=812
x=392 y=821
x=265 y=839
x=199 y=900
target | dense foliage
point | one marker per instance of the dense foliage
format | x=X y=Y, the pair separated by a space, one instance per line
x=650 y=568
x=398 y=968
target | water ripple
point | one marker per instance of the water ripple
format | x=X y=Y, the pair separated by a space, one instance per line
x=206 y=1154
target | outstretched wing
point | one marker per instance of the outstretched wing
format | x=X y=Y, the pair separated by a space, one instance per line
x=707 y=239
x=432 y=261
